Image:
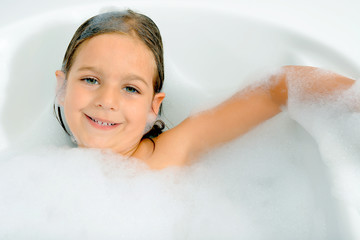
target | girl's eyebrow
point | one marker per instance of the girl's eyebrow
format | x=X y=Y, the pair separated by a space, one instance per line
x=129 y=77
x=84 y=68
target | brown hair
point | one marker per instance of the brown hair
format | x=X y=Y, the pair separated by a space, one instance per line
x=125 y=22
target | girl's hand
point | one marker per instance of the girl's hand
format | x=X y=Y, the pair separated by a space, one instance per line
x=306 y=80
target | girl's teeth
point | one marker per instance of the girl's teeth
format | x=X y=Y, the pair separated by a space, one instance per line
x=103 y=123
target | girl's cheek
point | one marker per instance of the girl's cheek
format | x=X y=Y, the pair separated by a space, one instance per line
x=139 y=111
x=77 y=96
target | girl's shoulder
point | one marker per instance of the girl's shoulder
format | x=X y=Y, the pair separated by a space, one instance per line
x=167 y=149
x=145 y=149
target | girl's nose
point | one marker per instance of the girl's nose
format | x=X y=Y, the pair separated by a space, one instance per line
x=108 y=98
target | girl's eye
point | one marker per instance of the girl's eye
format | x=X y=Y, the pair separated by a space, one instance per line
x=131 y=90
x=90 y=80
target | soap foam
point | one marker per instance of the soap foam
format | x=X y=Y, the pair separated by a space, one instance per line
x=272 y=183
x=253 y=188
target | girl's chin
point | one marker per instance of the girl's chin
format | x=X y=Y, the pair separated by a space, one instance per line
x=131 y=142
x=94 y=144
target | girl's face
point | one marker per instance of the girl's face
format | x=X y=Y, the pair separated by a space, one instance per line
x=109 y=93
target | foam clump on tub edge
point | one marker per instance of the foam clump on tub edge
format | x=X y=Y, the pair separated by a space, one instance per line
x=333 y=122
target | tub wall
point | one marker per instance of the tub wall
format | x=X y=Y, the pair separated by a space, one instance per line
x=332 y=22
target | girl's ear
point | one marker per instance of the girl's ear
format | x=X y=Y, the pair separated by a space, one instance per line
x=60 y=87
x=158 y=98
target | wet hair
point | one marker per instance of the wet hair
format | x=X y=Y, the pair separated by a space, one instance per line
x=123 y=22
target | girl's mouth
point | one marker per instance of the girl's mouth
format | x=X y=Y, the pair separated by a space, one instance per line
x=101 y=124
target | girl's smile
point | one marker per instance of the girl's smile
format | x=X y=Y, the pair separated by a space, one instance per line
x=101 y=123
x=109 y=92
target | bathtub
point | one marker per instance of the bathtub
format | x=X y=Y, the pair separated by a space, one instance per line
x=211 y=51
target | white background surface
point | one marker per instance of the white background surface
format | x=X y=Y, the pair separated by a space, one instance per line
x=335 y=23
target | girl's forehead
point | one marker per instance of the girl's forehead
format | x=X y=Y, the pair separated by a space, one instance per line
x=115 y=44
x=115 y=49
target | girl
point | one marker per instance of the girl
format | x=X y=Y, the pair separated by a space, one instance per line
x=110 y=90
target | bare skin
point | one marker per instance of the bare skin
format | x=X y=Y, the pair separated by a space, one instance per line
x=236 y=116
x=111 y=82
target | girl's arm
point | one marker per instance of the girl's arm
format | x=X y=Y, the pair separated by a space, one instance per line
x=242 y=112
